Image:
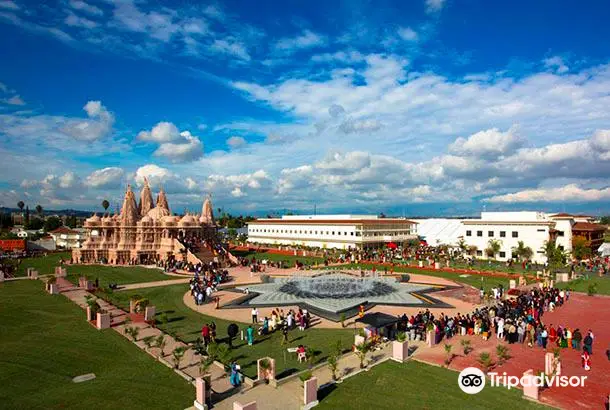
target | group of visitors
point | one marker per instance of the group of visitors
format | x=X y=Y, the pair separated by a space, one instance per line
x=208 y=333
x=205 y=283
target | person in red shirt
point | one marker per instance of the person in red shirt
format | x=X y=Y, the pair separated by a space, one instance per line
x=205 y=333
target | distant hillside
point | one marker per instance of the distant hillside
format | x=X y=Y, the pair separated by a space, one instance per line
x=60 y=212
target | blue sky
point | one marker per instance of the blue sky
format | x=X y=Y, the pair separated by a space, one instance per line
x=418 y=107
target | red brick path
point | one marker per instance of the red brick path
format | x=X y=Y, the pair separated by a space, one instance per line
x=582 y=312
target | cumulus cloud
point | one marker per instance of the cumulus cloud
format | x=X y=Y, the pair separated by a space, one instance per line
x=556 y=64
x=307 y=39
x=236 y=141
x=109 y=177
x=567 y=193
x=174 y=145
x=98 y=125
x=157 y=176
x=489 y=142
x=407 y=33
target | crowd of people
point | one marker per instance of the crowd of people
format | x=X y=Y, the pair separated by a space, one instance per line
x=205 y=282
x=281 y=321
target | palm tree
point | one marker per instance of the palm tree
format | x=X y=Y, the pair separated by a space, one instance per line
x=493 y=247
x=463 y=246
x=39 y=210
x=555 y=256
x=20 y=205
x=472 y=250
x=105 y=205
x=522 y=252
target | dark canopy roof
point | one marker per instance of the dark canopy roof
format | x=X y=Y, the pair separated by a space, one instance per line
x=378 y=319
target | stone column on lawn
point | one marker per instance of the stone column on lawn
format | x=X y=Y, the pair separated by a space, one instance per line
x=33 y=274
x=90 y=316
x=268 y=374
x=149 y=313
x=430 y=338
x=201 y=388
x=82 y=282
x=28 y=271
x=437 y=265
x=310 y=393
x=512 y=284
x=400 y=350
x=54 y=289
x=103 y=320
x=530 y=389
x=248 y=406
x=1 y=276
x=358 y=340
x=132 y=305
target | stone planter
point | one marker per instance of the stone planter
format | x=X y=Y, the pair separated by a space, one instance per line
x=132 y=306
x=310 y=393
x=530 y=390
x=53 y=289
x=33 y=273
x=149 y=313
x=90 y=315
x=103 y=320
x=82 y=282
x=400 y=350
x=430 y=338
x=266 y=374
x=437 y=265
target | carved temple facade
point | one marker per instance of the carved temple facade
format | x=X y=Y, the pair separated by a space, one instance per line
x=144 y=232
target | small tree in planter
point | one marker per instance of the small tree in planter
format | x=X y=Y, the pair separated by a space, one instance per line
x=306 y=375
x=220 y=352
x=160 y=344
x=148 y=341
x=485 y=361
x=448 y=354
x=502 y=353
x=401 y=337
x=93 y=306
x=333 y=364
x=466 y=346
x=361 y=350
x=178 y=354
x=133 y=332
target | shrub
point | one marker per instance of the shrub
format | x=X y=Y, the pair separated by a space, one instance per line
x=502 y=353
x=148 y=341
x=401 y=336
x=133 y=331
x=333 y=363
x=592 y=289
x=448 y=355
x=265 y=278
x=160 y=344
x=306 y=375
x=178 y=354
x=467 y=348
x=485 y=361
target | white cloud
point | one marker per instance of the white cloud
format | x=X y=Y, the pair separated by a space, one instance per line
x=408 y=34
x=15 y=100
x=109 y=177
x=8 y=4
x=97 y=126
x=307 y=39
x=187 y=150
x=77 y=21
x=162 y=132
x=85 y=7
x=236 y=141
x=231 y=46
x=433 y=6
x=567 y=193
x=156 y=175
x=556 y=64
x=488 y=142
x=237 y=192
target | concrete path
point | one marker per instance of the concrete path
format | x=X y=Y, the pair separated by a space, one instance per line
x=144 y=285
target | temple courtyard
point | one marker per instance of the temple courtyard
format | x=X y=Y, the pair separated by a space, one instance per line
x=45 y=342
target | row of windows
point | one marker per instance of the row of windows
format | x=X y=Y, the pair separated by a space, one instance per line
x=333 y=233
x=491 y=234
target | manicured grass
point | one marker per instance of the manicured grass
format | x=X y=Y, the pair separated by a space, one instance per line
x=582 y=285
x=45 y=265
x=45 y=342
x=186 y=325
x=105 y=273
x=475 y=280
x=291 y=259
x=415 y=385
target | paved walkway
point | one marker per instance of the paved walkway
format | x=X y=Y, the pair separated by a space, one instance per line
x=144 y=285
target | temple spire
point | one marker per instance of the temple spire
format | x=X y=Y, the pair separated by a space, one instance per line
x=207 y=214
x=129 y=211
x=146 y=201
x=162 y=201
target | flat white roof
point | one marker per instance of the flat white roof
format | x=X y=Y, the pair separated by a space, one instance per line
x=328 y=217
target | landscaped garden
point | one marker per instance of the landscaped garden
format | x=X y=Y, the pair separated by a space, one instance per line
x=178 y=320
x=415 y=385
x=274 y=257
x=45 y=342
x=589 y=284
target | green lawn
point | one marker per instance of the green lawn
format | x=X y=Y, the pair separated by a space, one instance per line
x=415 y=385
x=473 y=279
x=105 y=273
x=582 y=285
x=45 y=342
x=290 y=259
x=186 y=325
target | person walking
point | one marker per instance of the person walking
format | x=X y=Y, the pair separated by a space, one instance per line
x=576 y=339
x=250 y=335
x=254 y=315
x=588 y=343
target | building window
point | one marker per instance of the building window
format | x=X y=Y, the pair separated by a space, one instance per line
x=468 y=233
x=479 y=233
x=479 y=253
x=515 y=234
x=333 y=232
x=490 y=234
x=541 y=230
x=502 y=234
x=345 y=233
x=503 y=254
x=559 y=233
x=351 y=233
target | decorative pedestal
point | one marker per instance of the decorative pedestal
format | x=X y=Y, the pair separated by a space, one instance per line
x=530 y=390
x=53 y=289
x=132 y=306
x=82 y=282
x=310 y=393
x=512 y=284
x=437 y=265
x=149 y=313
x=263 y=374
x=522 y=281
x=90 y=315
x=358 y=340
x=552 y=365
x=60 y=272
x=400 y=351
x=562 y=277
x=32 y=273
x=200 y=402
x=103 y=321
x=1 y=276
x=249 y=406
x=430 y=338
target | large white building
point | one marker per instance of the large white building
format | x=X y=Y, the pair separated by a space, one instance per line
x=331 y=231
x=68 y=238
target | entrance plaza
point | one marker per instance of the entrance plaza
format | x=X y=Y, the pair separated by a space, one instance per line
x=163 y=306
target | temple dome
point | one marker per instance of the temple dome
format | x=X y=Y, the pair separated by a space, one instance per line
x=146 y=220
x=187 y=220
x=169 y=220
x=157 y=213
x=94 y=220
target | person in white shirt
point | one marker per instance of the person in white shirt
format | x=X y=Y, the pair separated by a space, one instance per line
x=254 y=315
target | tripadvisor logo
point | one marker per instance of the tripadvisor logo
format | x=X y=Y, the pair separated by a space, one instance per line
x=471 y=380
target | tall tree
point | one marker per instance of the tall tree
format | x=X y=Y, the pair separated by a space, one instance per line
x=52 y=223
x=522 y=252
x=27 y=216
x=20 y=205
x=105 y=205
x=581 y=248
x=39 y=210
x=555 y=256
x=493 y=247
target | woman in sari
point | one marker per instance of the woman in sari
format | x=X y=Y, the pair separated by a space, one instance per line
x=235 y=379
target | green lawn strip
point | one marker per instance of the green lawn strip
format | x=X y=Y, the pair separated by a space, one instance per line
x=185 y=324
x=121 y=275
x=45 y=342
x=473 y=279
x=45 y=265
x=415 y=385
x=582 y=285
x=307 y=260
